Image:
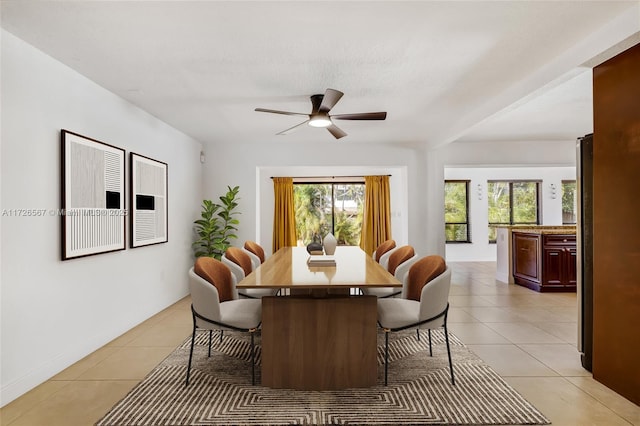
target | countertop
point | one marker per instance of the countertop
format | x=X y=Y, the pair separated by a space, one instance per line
x=542 y=229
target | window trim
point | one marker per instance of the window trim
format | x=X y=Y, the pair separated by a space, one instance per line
x=467 y=223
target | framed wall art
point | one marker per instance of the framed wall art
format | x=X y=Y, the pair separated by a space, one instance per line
x=149 y=201
x=93 y=196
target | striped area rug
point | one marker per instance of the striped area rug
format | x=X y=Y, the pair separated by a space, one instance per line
x=419 y=391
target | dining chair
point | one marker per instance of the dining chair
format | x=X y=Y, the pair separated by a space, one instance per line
x=256 y=249
x=430 y=279
x=240 y=264
x=384 y=259
x=398 y=264
x=382 y=249
x=215 y=305
x=255 y=260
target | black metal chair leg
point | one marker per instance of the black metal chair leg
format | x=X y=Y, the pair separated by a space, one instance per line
x=221 y=334
x=193 y=340
x=210 y=334
x=386 y=355
x=430 y=351
x=446 y=337
x=418 y=334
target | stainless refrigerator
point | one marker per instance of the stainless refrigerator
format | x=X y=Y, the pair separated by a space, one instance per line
x=584 y=234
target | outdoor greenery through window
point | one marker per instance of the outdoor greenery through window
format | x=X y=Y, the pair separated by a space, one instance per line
x=329 y=207
x=512 y=203
x=569 y=202
x=456 y=211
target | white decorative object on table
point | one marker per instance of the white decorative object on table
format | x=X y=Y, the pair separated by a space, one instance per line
x=329 y=243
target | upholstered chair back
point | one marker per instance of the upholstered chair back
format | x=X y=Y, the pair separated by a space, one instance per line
x=216 y=274
x=399 y=256
x=421 y=273
x=383 y=248
x=240 y=258
x=255 y=248
x=434 y=299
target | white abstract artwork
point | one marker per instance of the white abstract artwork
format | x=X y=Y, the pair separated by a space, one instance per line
x=149 y=223
x=93 y=197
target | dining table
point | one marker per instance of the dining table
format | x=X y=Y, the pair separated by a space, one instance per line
x=320 y=332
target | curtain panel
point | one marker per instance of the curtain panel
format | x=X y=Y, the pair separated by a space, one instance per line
x=376 y=220
x=284 y=218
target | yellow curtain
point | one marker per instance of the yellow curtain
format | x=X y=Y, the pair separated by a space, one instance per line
x=376 y=218
x=284 y=218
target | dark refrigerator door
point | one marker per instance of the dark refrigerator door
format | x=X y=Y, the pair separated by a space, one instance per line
x=584 y=169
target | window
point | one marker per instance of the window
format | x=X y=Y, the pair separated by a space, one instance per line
x=569 y=202
x=456 y=211
x=329 y=207
x=512 y=203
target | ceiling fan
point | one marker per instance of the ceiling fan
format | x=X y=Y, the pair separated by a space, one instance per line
x=319 y=116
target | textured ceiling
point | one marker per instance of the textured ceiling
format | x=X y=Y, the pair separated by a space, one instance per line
x=507 y=70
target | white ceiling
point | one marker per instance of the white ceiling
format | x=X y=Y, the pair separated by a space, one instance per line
x=444 y=71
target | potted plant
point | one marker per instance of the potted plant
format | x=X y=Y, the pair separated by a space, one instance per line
x=217 y=225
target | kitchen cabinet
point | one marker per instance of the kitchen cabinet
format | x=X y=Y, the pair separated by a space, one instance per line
x=544 y=262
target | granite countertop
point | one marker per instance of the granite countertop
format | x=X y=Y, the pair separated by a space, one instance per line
x=542 y=229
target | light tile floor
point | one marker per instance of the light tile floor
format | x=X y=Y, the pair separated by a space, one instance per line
x=527 y=337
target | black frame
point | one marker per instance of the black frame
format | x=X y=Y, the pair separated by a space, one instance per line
x=144 y=201
x=468 y=225
x=86 y=228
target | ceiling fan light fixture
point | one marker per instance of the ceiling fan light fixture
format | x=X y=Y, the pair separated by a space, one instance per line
x=320 y=121
x=321 y=105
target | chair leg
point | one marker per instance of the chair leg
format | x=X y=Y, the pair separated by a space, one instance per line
x=193 y=340
x=221 y=334
x=446 y=337
x=430 y=351
x=210 y=334
x=253 y=361
x=418 y=334
x=386 y=355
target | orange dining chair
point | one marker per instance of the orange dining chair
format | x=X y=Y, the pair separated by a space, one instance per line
x=426 y=304
x=215 y=305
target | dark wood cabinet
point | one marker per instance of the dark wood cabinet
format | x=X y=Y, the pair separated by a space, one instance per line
x=559 y=261
x=544 y=262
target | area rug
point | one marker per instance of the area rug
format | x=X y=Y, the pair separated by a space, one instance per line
x=419 y=391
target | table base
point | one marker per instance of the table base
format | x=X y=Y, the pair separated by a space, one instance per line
x=311 y=343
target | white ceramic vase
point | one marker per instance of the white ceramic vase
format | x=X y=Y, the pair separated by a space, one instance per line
x=329 y=243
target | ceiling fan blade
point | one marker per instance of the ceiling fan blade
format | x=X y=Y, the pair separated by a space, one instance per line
x=291 y=129
x=275 y=111
x=330 y=99
x=361 y=116
x=336 y=131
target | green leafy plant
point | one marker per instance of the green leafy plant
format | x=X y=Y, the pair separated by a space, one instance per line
x=217 y=225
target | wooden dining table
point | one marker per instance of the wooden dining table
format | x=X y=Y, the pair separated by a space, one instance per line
x=320 y=333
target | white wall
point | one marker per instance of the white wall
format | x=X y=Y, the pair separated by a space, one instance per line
x=53 y=312
x=550 y=162
x=251 y=168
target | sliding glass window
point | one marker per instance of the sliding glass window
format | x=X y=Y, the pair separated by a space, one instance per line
x=329 y=207
x=512 y=203
x=456 y=211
